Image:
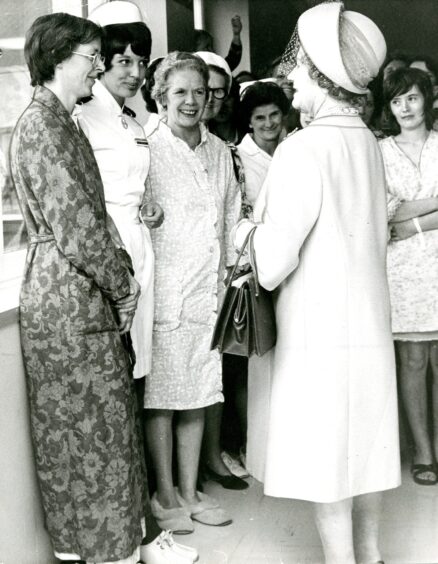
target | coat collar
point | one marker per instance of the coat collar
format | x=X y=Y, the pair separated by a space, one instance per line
x=46 y=97
x=338 y=121
x=169 y=135
x=251 y=148
x=104 y=97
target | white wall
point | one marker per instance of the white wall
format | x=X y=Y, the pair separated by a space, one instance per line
x=217 y=17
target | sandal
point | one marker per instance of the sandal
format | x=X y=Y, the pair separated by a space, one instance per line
x=417 y=469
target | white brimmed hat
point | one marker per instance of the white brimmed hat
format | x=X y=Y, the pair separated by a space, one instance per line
x=244 y=85
x=347 y=47
x=116 y=12
x=216 y=60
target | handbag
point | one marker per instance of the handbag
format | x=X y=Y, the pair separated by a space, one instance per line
x=246 y=321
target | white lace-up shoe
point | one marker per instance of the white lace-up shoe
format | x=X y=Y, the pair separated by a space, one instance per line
x=183 y=549
x=233 y=465
x=164 y=550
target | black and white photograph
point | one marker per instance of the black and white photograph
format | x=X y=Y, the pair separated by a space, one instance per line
x=219 y=281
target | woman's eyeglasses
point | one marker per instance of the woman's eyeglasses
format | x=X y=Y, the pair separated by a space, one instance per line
x=95 y=59
x=218 y=93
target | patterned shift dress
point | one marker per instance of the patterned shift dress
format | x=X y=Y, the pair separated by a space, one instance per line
x=412 y=263
x=201 y=199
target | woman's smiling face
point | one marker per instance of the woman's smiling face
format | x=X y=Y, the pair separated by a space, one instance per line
x=126 y=75
x=267 y=123
x=185 y=99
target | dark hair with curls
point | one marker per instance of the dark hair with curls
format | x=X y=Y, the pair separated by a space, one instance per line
x=333 y=90
x=117 y=37
x=396 y=56
x=261 y=94
x=401 y=81
x=51 y=40
x=149 y=81
x=175 y=61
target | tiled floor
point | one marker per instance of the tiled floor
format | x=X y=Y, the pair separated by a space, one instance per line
x=277 y=531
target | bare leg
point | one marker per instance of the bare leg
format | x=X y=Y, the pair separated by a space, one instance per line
x=334 y=523
x=434 y=364
x=211 y=443
x=189 y=429
x=158 y=425
x=413 y=368
x=366 y=516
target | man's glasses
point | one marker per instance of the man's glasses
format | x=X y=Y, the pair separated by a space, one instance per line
x=218 y=93
x=95 y=59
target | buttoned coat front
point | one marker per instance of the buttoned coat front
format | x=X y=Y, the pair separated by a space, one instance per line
x=82 y=402
x=333 y=430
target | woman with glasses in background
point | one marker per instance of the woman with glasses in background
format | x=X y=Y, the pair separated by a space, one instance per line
x=217 y=463
x=77 y=298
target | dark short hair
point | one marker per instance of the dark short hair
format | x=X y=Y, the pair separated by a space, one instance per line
x=117 y=37
x=149 y=81
x=401 y=81
x=199 y=36
x=261 y=94
x=396 y=56
x=51 y=40
x=334 y=91
x=174 y=61
x=428 y=61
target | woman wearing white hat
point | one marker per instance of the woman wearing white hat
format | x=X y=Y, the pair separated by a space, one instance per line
x=333 y=433
x=122 y=153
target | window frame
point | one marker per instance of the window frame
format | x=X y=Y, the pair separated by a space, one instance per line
x=12 y=262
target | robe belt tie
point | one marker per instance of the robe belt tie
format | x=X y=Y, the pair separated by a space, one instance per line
x=34 y=239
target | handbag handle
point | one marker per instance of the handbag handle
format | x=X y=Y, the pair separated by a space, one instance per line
x=252 y=261
x=248 y=239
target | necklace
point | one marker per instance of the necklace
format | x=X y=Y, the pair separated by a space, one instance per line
x=338 y=111
x=124 y=122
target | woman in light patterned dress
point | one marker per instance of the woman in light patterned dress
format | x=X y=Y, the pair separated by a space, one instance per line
x=411 y=166
x=192 y=176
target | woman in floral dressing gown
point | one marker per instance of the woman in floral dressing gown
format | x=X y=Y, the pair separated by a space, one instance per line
x=76 y=299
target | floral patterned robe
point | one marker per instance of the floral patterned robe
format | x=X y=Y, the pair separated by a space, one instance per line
x=81 y=393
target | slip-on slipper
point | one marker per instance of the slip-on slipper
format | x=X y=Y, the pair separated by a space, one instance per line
x=207 y=511
x=177 y=519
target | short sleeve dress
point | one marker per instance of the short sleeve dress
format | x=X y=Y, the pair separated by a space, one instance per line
x=201 y=200
x=412 y=263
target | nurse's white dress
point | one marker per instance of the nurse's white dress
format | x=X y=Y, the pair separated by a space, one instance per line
x=120 y=147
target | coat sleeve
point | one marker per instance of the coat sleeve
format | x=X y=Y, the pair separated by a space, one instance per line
x=293 y=190
x=71 y=210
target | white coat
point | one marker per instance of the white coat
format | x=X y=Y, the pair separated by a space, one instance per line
x=333 y=429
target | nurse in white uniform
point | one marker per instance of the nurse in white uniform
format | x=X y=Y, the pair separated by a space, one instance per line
x=122 y=154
